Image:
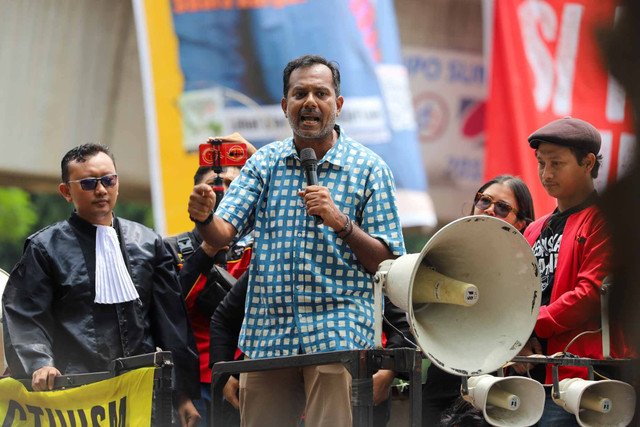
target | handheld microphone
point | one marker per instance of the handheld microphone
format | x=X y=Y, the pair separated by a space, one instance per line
x=310 y=167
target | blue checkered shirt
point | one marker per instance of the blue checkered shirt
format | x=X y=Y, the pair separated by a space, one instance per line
x=306 y=290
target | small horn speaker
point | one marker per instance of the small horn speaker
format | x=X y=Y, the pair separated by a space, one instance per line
x=597 y=403
x=508 y=402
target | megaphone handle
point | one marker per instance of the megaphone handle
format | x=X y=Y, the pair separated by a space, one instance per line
x=378 y=281
x=556 y=383
x=464 y=386
x=604 y=317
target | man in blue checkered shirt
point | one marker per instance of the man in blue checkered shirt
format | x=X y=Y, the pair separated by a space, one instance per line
x=310 y=288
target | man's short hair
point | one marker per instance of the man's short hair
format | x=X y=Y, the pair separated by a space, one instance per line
x=580 y=153
x=80 y=154
x=202 y=171
x=308 y=61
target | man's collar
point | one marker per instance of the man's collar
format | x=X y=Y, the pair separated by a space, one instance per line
x=590 y=200
x=82 y=223
x=335 y=155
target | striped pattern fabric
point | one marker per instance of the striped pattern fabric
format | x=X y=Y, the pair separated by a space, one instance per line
x=307 y=292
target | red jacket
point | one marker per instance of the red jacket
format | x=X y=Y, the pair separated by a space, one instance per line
x=199 y=322
x=583 y=261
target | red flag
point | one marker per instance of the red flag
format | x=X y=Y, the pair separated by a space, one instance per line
x=546 y=64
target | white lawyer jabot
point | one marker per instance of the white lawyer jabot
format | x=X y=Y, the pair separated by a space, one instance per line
x=113 y=282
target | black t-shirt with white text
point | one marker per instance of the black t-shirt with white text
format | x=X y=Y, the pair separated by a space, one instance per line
x=547 y=246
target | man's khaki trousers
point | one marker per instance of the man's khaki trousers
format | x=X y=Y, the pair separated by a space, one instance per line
x=279 y=398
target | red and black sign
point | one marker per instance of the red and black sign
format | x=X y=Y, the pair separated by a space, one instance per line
x=229 y=154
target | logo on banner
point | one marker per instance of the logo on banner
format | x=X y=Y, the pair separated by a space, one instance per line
x=472 y=118
x=432 y=116
x=465 y=165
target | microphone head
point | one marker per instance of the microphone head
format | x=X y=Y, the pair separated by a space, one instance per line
x=308 y=157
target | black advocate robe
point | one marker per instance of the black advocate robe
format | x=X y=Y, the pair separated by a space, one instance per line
x=50 y=318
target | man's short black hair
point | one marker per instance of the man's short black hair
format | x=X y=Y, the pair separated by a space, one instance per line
x=202 y=171
x=580 y=153
x=308 y=61
x=80 y=154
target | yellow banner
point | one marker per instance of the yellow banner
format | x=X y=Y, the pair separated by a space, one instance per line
x=173 y=165
x=120 y=401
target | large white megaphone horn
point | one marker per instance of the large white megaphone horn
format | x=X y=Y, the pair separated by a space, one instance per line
x=472 y=294
x=597 y=403
x=508 y=402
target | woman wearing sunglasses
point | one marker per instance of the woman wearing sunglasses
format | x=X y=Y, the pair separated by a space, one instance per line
x=505 y=197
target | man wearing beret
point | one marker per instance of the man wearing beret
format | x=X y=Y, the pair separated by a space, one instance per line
x=572 y=247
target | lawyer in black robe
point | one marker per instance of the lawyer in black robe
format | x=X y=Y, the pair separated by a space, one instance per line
x=50 y=318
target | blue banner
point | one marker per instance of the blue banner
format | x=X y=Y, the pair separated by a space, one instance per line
x=232 y=54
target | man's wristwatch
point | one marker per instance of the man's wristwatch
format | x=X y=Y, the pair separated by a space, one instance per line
x=205 y=222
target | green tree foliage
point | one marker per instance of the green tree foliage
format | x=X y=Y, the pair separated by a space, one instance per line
x=16 y=214
x=17 y=219
x=138 y=212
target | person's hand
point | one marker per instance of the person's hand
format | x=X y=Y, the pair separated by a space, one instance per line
x=382 y=381
x=318 y=201
x=531 y=347
x=230 y=391
x=201 y=202
x=212 y=251
x=236 y=137
x=42 y=379
x=189 y=415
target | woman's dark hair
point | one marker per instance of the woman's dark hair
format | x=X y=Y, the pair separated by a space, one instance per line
x=521 y=193
x=462 y=414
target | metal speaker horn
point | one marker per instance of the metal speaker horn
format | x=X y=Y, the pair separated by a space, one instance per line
x=472 y=294
x=597 y=403
x=507 y=402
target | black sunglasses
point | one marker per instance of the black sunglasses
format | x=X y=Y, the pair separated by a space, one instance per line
x=502 y=209
x=89 y=184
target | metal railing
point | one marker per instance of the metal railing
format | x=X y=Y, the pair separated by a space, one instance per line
x=161 y=409
x=361 y=364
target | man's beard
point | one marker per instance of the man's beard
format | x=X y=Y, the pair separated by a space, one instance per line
x=324 y=132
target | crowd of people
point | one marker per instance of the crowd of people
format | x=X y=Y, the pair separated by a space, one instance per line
x=279 y=268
